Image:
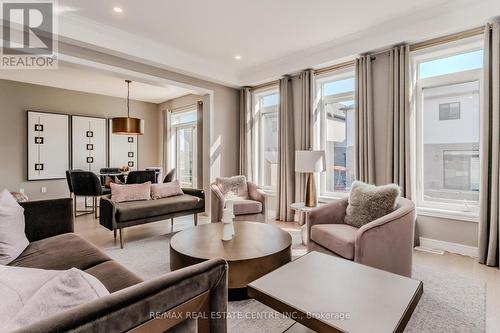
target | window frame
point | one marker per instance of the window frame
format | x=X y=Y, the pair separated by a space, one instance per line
x=467 y=211
x=173 y=144
x=258 y=113
x=319 y=127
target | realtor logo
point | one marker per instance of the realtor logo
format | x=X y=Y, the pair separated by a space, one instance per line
x=28 y=35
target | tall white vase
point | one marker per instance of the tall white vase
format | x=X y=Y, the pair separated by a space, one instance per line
x=227 y=220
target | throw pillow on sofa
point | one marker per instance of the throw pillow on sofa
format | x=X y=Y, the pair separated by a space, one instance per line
x=13 y=240
x=130 y=192
x=233 y=187
x=369 y=202
x=165 y=190
x=30 y=294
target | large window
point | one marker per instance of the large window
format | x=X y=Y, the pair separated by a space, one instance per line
x=183 y=145
x=335 y=132
x=448 y=90
x=265 y=109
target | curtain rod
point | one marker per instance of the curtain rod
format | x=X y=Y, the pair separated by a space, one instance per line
x=184 y=107
x=446 y=39
x=336 y=67
x=265 y=85
x=413 y=47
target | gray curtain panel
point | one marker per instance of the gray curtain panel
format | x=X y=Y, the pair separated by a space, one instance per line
x=490 y=150
x=246 y=125
x=365 y=148
x=304 y=137
x=285 y=192
x=398 y=139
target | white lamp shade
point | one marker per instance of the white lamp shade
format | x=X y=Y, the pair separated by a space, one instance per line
x=310 y=161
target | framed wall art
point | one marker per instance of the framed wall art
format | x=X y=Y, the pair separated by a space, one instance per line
x=47 y=145
x=89 y=149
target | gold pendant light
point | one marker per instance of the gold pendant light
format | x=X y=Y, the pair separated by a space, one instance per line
x=127 y=125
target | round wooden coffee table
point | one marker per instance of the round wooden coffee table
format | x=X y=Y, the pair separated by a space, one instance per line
x=255 y=250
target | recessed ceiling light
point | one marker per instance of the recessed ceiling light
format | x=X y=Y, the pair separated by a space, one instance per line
x=118 y=10
x=237 y=57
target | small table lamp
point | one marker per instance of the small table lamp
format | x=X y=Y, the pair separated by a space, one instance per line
x=310 y=161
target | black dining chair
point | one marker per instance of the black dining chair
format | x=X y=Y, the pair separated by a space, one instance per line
x=139 y=177
x=68 y=179
x=87 y=184
x=170 y=176
x=70 y=187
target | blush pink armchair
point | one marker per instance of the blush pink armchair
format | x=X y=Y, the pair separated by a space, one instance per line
x=251 y=209
x=386 y=243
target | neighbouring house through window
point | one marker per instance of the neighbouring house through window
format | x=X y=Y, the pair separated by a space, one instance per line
x=182 y=150
x=448 y=91
x=334 y=132
x=265 y=105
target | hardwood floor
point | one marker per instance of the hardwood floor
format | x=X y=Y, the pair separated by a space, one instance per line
x=90 y=229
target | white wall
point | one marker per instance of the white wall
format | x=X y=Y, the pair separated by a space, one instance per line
x=466 y=128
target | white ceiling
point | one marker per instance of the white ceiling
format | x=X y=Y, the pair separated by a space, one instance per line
x=81 y=78
x=273 y=37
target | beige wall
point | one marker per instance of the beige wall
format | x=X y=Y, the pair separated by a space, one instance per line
x=16 y=98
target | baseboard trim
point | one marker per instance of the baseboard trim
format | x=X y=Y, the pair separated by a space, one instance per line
x=464 y=250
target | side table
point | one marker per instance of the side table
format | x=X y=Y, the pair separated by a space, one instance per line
x=304 y=210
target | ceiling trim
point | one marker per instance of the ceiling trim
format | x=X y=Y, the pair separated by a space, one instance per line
x=134 y=75
x=82 y=31
x=446 y=17
x=425 y=24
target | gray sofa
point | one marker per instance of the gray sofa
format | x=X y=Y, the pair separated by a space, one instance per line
x=200 y=288
x=119 y=215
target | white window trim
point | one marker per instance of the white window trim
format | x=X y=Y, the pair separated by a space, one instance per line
x=441 y=210
x=257 y=115
x=319 y=126
x=172 y=160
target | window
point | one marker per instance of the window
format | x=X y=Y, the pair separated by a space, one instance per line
x=449 y=111
x=182 y=143
x=335 y=132
x=265 y=108
x=448 y=91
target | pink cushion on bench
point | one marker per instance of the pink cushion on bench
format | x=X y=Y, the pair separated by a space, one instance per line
x=130 y=192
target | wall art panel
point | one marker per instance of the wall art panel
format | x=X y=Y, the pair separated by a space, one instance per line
x=47 y=146
x=89 y=143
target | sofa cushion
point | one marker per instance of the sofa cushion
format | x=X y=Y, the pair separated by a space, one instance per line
x=113 y=275
x=165 y=190
x=44 y=293
x=60 y=253
x=369 y=202
x=338 y=238
x=130 y=192
x=134 y=210
x=13 y=240
x=242 y=207
x=233 y=187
